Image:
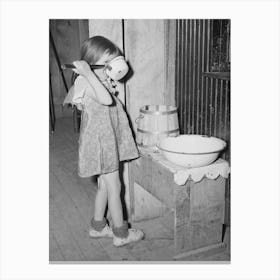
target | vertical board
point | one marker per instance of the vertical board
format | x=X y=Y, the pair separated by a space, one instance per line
x=144 y=47
x=109 y=28
x=150 y=51
x=170 y=60
x=207 y=203
x=203 y=102
x=68 y=36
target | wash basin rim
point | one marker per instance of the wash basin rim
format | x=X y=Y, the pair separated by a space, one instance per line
x=196 y=153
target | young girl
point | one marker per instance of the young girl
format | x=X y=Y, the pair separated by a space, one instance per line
x=105 y=138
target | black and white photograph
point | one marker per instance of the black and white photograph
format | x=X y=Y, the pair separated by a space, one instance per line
x=139 y=140
x=139 y=147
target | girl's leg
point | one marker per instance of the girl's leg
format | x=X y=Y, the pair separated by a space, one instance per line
x=122 y=235
x=113 y=185
x=99 y=227
x=100 y=200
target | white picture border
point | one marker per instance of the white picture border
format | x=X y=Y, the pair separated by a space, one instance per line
x=25 y=131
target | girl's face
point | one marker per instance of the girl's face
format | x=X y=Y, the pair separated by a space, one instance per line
x=104 y=59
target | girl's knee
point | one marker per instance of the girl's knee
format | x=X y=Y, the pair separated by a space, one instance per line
x=112 y=182
x=101 y=184
x=111 y=178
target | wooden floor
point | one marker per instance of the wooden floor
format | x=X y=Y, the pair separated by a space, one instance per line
x=71 y=204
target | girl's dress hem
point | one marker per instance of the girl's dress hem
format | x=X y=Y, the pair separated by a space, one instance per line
x=105 y=135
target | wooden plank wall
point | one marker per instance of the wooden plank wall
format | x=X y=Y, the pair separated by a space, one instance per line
x=203 y=102
x=151 y=55
x=144 y=48
x=170 y=61
x=109 y=28
x=68 y=36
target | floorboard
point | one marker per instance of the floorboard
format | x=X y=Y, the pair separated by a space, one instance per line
x=71 y=204
x=78 y=226
x=55 y=253
x=59 y=229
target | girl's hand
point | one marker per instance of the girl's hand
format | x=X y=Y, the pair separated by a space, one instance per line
x=82 y=68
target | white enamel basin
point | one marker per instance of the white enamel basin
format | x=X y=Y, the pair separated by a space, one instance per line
x=191 y=150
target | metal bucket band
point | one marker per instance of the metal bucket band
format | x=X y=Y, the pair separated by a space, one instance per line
x=158 y=112
x=158 y=132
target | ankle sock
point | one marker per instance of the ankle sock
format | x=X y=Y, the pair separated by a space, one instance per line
x=122 y=231
x=98 y=225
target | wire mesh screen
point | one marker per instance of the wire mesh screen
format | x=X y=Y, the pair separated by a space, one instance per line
x=202 y=78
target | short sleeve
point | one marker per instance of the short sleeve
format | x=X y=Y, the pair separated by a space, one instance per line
x=76 y=93
x=80 y=86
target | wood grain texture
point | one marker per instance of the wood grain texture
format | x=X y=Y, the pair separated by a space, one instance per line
x=149 y=46
x=73 y=199
x=170 y=60
x=158 y=242
x=199 y=207
x=78 y=225
x=144 y=44
x=109 y=28
x=153 y=124
x=204 y=253
x=146 y=206
x=154 y=178
x=55 y=252
x=68 y=36
x=182 y=237
x=71 y=207
x=199 y=214
x=64 y=237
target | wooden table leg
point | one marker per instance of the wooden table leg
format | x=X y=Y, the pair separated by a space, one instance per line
x=199 y=215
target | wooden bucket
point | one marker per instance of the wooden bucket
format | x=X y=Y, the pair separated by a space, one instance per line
x=156 y=122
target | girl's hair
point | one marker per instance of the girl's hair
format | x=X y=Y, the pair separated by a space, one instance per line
x=93 y=48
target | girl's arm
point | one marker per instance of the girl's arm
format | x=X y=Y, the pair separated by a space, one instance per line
x=101 y=93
